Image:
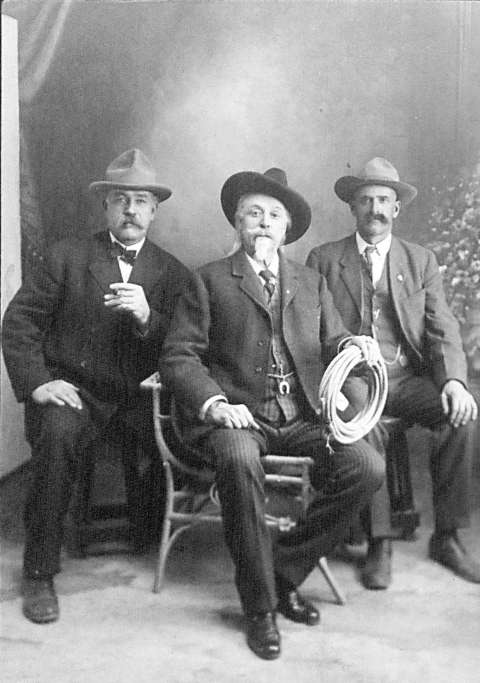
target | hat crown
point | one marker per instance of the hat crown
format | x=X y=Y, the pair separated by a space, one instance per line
x=379 y=168
x=278 y=175
x=131 y=168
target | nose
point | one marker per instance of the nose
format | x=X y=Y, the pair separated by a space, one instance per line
x=376 y=206
x=265 y=220
x=129 y=208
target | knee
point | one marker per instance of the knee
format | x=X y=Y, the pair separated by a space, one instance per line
x=237 y=454
x=371 y=467
x=61 y=429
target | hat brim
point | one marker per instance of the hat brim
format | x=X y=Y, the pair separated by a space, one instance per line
x=346 y=187
x=250 y=182
x=162 y=193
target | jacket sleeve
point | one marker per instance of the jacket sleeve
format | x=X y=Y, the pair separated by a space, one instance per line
x=184 y=364
x=25 y=323
x=443 y=342
x=332 y=329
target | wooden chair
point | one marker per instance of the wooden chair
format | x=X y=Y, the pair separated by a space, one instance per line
x=191 y=497
x=404 y=517
x=114 y=505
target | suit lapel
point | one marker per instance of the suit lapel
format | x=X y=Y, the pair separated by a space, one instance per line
x=146 y=270
x=350 y=272
x=288 y=282
x=398 y=271
x=249 y=283
x=102 y=266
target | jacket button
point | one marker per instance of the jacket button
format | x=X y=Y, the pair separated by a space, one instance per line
x=83 y=364
x=261 y=342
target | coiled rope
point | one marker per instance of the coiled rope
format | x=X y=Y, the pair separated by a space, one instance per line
x=329 y=396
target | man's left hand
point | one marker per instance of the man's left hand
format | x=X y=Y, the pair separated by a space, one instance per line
x=368 y=346
x=458 y=404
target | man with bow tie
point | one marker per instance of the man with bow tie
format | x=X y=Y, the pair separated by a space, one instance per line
x=392 y=290
x=244 y=357
x=83 y=331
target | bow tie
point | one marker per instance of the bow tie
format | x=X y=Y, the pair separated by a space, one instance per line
x=127 y=255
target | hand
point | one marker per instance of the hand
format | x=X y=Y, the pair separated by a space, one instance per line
x=368 y=346
x=458 y=404
x=58 y=392
x=129 y=298
x=232 y=417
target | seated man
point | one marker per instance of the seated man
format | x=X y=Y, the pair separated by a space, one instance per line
x=244 y=358
x=78 y=337
x=392 y=289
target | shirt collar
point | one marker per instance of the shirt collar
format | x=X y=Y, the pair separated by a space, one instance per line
x=132 y=247
x=383 y=247
x=257 y=267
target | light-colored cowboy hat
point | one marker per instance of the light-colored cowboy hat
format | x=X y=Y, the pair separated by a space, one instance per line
x=377 y=171
x=274 y=184
x=132 y=170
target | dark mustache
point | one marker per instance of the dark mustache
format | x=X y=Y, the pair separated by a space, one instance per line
x=377 y=217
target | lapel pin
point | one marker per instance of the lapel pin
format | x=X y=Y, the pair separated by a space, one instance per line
x=400 y=277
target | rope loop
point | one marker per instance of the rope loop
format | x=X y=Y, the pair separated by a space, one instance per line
x=329 y=395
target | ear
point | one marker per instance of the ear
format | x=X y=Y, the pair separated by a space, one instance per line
x=396 y=209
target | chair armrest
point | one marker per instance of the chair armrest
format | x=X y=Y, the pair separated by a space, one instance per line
x=152 y=382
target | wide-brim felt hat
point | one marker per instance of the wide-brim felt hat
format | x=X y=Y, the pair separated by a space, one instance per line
x=377 y=171
x=131 y=170
x=274 y=184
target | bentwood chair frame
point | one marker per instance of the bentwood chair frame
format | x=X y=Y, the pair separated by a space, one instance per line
x=190 y=493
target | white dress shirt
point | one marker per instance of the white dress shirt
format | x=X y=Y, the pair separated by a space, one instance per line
x=378 y=256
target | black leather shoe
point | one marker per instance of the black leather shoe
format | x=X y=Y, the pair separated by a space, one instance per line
x=40 y=603
x=294 y=607
x=377 y=570
x=263 y=636
x=448 y=550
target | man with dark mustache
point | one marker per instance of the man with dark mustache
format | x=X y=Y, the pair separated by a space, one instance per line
x=244 y=357
x=83 y=331
x=392 y=290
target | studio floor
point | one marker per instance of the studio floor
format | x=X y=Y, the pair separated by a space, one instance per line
x=114 y=629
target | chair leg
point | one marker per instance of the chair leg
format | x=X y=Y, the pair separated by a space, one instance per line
x=166 y=529
x=330 y=579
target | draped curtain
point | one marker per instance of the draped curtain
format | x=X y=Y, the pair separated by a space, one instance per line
x=40 y=29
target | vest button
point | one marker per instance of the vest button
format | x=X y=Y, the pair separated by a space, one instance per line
x=83 y=364
x=258 y=369
x=261 y=343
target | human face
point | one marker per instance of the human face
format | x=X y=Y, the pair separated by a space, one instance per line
x=261 y=222
x=375 y=207
x=129 y=214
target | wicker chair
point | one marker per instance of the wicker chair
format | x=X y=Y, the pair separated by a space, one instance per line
x=191 y=497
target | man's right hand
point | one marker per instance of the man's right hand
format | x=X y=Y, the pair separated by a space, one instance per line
x=230 y=416
x=58 y=392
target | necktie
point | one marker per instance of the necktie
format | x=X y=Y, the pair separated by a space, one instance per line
x=127 y=255
x=269 y=279
x=367 y=255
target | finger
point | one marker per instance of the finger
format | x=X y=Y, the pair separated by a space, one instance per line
x=445 y=406
x=56 y=400
x=454 y=411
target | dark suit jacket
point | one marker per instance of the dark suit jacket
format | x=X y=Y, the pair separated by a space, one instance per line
x=57 y=326
x=431 y=333
x=220 y=337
